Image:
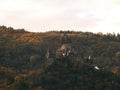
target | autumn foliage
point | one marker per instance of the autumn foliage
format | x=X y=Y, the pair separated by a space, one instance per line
x=23 y=65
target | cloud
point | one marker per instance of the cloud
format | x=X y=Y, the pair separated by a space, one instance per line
x=42 y=15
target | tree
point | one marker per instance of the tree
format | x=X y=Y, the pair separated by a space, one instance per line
x=19 y=85
x=34 y=59
x=118 y=55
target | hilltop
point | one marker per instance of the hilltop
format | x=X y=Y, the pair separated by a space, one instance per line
x=22 y=61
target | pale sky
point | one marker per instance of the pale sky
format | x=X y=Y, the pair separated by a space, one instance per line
x=44 y=15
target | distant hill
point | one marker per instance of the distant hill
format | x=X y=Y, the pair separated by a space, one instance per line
x=22 y=56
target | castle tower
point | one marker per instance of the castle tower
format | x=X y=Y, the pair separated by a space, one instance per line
x=66 y=42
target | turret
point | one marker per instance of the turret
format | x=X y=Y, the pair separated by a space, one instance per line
x=66 y=42
x=65 y=39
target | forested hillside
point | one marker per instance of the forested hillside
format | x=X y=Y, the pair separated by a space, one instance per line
x=23 y=65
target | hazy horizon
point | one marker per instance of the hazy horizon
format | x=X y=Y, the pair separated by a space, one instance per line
x=46 y=15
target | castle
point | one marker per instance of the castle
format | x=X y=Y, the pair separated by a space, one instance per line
x=66 y=47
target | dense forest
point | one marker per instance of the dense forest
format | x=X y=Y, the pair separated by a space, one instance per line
x=23 y=65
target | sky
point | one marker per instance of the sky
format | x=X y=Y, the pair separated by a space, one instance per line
x=46 y=15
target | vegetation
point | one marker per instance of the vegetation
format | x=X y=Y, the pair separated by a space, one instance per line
x=23 y=65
